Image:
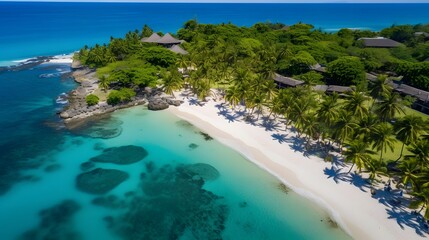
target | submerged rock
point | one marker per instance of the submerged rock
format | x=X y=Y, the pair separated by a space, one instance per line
x=100 y=181
x=87 y=166
x=121 y=155
x=192 y=146
x=56 y=223
x=205 y=171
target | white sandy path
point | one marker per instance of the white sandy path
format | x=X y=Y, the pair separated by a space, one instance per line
x=362 y=216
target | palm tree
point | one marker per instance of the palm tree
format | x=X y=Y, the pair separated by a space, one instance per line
x=356 y=104
x=421 y=200
x=365 y=127
x=389 y=106
x=420 y=152
x=379 y=87
x=382 y=138
x=172 y=81
x=103 y=83
x=344 y=126
x=408 y=130
x=311 y=128
x=233 y=95
x=409 y=172
x=358 y=154
x=328 y=113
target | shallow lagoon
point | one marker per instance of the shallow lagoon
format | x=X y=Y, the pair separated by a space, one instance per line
x=187 y=186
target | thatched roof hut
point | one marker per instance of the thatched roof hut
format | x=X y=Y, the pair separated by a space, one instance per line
x=178 y=50
x=332 y=89
x=167 y=39
x=286 y=81
x=154 y=38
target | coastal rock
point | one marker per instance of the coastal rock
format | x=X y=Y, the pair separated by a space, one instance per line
x=174 y=102
x=76 y=64
x=157 y=104
x=100 y=181
x=65 y=115
x=121 y=155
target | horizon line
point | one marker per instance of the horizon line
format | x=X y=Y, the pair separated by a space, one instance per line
x=234 y=1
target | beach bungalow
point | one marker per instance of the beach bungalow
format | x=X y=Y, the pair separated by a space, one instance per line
x=177 y=49
x=379 y=42
x=423 y=35
x=330 y=89
x=167 y=41
x=154 y=38
x=422 y=97
x=283 y=82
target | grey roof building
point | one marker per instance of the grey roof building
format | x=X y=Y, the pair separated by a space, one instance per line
x=379 y=42
x=154 y=38
x=178 y=50
x=286 y=81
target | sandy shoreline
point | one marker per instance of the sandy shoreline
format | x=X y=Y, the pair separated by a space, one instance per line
x=352 y=206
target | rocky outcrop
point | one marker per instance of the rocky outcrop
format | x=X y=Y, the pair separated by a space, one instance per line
x=157 y=103
x=78 y=110
x=174 y=102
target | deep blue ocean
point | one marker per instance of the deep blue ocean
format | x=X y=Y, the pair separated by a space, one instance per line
x=161 y=196
x=34 y=29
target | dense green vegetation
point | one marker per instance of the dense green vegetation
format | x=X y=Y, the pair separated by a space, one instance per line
x=92 y=100
x=366 y=125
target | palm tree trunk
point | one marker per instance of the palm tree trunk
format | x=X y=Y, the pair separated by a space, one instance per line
x=351 y=168
x=381 y=155
x=400 y=155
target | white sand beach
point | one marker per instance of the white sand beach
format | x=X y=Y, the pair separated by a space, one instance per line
x=349 y=203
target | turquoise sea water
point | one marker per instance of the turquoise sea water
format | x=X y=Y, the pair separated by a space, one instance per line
x=35 y=29
x=188 y=186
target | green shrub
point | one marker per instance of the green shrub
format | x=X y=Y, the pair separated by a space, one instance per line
x=123 y=95
x=92 y=100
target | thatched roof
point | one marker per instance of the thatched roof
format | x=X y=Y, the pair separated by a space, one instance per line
x=332 y=88
x=318 y=68
x=287 y=80
x=371 y=77
x=425 y=34
x=177 y=49
x=168 y=39
x=412 y=91
x=154 y=38
x=379 y=42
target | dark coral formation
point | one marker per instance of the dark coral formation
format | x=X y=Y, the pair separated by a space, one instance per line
x=103 y=127
x=56 y=223
x=121 y=155
x=86 y=166
x=100 y=181
x=171 y=201
x=206 y=136
x=203 y=170
x=192 y=146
